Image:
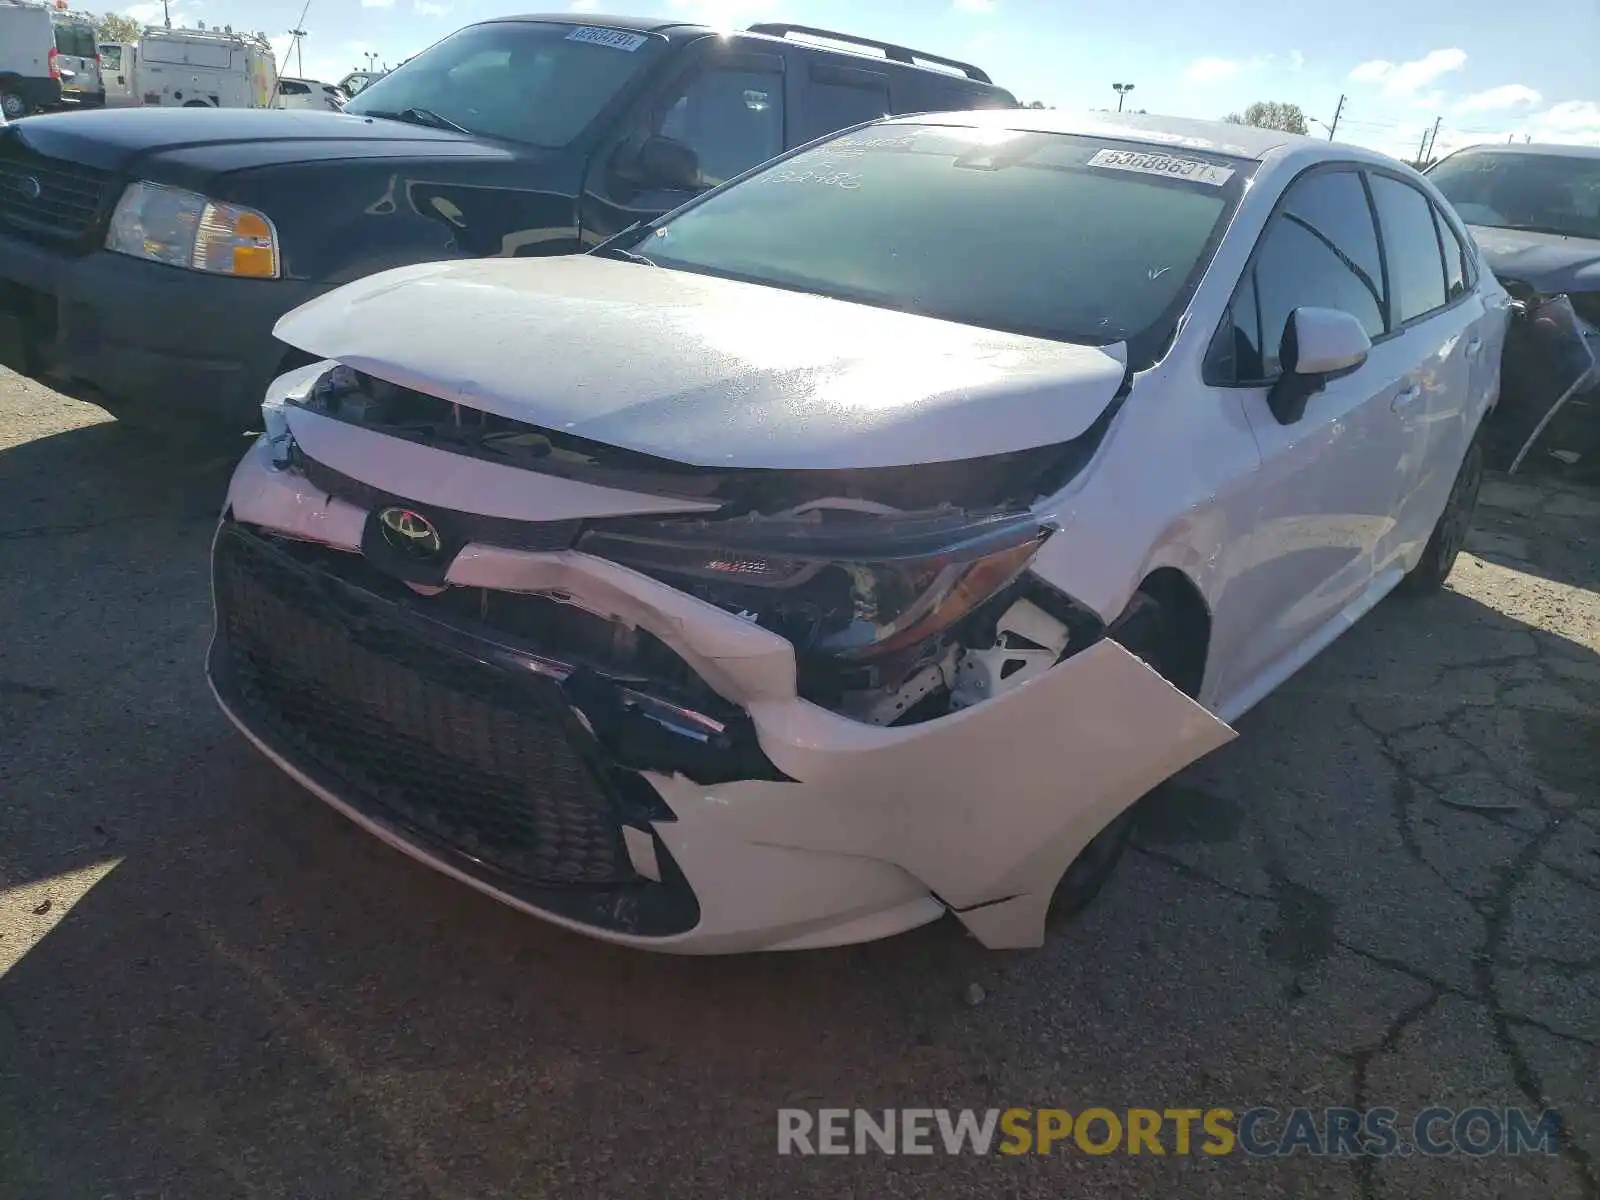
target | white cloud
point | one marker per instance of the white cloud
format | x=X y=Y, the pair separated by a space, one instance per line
x=150 y=12
x=377 y=3
x=1576 y=117
x=974 y=6
x=1211 y=70
x=584 y=5
x=1405 y=81
x=427 y=8
x=724 y=14
x=1297 y=60
x=1216 y=70
x=1510 y=95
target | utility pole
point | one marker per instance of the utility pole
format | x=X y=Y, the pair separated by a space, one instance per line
x=166 y=13
x=1432 y=138
x=1332 y=129
x=1426 y=148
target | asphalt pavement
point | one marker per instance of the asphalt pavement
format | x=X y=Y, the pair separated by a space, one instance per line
x=1386 y=892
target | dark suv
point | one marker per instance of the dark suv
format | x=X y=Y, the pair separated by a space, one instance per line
x=149 y=252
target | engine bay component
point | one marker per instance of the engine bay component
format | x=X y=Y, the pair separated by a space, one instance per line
x=1028 y=641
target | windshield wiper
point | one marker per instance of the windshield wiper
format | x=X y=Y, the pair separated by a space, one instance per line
x=603 y=251
x=419 y=116
x=616 y=246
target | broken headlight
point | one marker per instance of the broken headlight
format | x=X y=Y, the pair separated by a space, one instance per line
x=848 y=585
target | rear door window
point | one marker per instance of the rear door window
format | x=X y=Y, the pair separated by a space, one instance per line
x=838 y=97
x=1457 y=269
x=1411 y=248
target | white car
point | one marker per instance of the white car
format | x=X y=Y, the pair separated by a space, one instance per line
x=309 y=93
x=859 y=542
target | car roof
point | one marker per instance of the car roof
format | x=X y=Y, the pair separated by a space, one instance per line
x=1221 y=137
x=608 y=21
x=689 y=30
x=1555 y=149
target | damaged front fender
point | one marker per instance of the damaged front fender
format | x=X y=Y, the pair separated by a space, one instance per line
x=986 y=807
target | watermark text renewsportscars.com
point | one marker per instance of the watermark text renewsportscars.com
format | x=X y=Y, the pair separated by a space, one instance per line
x=1438 y=1131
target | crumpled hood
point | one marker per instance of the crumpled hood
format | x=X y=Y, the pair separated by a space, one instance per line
x=1547 y=262
x=142 y=141
x=707 y=371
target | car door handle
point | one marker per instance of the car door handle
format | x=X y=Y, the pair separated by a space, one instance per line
x=1405 y=396
x=1474 y=346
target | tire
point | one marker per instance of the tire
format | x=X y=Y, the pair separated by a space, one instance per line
x=1450 y=532
x=1143 y=630
x=13 y=105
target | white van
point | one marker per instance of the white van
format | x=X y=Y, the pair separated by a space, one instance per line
x=30 y=80
x=119 y=70
x=205 y=68
x=78 y=59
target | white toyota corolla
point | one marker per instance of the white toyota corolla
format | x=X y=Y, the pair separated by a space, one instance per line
x=859 y=542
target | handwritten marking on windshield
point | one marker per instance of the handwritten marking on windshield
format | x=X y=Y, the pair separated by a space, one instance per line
x=823 y=174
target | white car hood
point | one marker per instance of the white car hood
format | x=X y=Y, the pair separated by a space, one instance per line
x=706 y=371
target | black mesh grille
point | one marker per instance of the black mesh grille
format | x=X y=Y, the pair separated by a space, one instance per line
x=50 y=198
x=468 y=754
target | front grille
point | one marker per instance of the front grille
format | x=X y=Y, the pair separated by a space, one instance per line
x=50 y=198
x=472 y=756
x=510 y=534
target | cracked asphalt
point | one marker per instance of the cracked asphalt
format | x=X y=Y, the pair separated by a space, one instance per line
x=1385 y=893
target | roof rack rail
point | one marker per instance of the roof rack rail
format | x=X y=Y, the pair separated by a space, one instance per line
x=892 y=52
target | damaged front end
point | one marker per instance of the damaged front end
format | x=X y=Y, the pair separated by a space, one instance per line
x=695 y=708
x=1549 y=383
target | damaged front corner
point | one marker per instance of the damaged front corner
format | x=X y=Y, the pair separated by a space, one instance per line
x=993 y=802
x=739 y=660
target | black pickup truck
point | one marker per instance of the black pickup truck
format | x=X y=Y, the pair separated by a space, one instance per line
x=149 y=252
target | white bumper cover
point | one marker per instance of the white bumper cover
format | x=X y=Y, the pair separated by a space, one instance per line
x=883 y=828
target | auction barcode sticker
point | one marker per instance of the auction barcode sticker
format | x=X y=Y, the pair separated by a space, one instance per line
x=617 y=39
x=1163 y=164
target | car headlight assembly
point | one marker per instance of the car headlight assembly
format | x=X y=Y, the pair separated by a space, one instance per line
x=855 y=590
x=185 y=229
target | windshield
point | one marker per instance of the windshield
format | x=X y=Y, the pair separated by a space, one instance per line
x=1073 y=238
x=1544 y=193
x=111 y=57
x=518 y=80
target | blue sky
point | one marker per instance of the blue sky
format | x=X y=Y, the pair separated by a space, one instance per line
x=1489 y=69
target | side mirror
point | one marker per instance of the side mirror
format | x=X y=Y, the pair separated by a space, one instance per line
x=665 y=162
x=1318 y=344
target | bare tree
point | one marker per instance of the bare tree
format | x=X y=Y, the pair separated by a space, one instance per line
x=1271 y=114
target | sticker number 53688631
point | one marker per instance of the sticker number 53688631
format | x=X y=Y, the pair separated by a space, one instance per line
x=1163 y=164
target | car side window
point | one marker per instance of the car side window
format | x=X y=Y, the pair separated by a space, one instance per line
x=1411 y=249
x=732 y=119
x=839 y=97
x=1320 y=249
x=1457 y=261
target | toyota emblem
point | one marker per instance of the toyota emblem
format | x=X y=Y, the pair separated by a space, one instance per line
x=410 y=532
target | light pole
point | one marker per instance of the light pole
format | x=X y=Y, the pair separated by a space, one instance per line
x=300 y=54
x=1122 y=90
